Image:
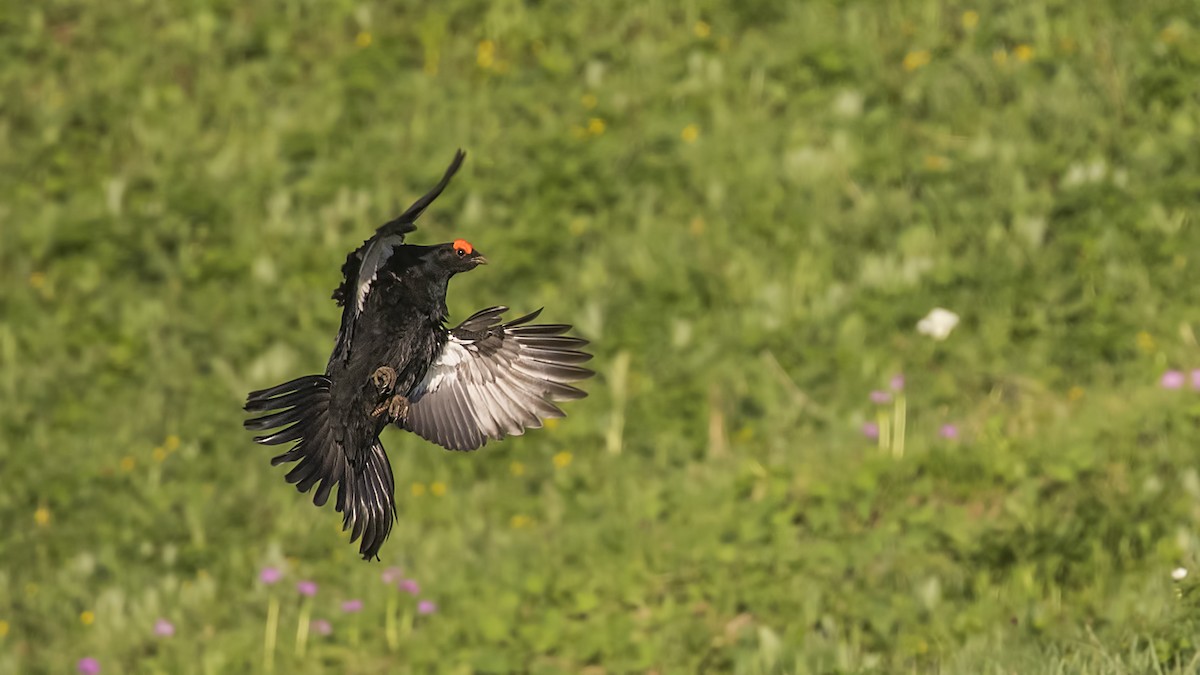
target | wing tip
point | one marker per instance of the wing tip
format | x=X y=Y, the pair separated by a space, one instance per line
x=565 y=392
x=525 y=319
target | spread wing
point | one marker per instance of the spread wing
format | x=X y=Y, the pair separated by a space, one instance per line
x=362 y=266
x=494 y=379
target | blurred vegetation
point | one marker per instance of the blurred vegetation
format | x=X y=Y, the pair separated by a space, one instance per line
x=747 y=205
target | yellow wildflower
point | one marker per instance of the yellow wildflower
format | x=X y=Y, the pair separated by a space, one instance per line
x=517 y=469
x=935 y=163
x=363 y=39
x=562 y=460
x=418 y=489
x=690 y=133
x=1145 y=341
x=485 y=54
x=702 y=29
x=437 y=488
x=87 y=616
x=589 y=101
x=160 y=454
x=596 y=126
x=1024 y=53
x=127 y=463
x=42 y=516
x=37 y=279
x=696 y=226
x=970 y=19
x=519 y=521
x=917 y=59
x=3 y=628
x=1075 y=393
x=171 y=444
x=1170 y=35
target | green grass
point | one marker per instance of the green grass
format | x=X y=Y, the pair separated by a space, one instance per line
x=747 y=206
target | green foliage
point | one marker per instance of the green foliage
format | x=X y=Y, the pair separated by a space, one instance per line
x=746 y=205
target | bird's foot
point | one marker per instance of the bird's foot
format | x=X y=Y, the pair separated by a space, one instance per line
x=384 y=378
x=396 y=408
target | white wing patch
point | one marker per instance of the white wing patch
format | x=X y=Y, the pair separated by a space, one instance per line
x=452 y=354
x=374 y=258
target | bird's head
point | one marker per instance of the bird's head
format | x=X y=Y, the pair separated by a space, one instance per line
x=458 y=256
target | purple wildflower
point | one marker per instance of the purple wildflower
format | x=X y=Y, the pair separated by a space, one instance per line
x=1196 y=379
x=870 y=430
x=164 y=628
x=307 y=588
x=949 y=431
x=880 y=397
x=426 y=607
x=321 y=627
x=88 y=666
x=270 y=575
x=410 y=586
x=352 y=606
x=897 y=382
x=392 y=575
x=1172 y=379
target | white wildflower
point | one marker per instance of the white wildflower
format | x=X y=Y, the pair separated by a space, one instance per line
x=1179 y=573
x=938 y=323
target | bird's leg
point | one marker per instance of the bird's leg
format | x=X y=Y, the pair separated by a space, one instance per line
x=384 y=378
x=396 y=408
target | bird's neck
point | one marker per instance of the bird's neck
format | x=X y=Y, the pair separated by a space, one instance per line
x=421 y=294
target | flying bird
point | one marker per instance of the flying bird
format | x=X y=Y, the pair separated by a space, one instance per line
x=395 y=362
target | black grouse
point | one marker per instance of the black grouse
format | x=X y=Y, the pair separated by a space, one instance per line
x=395 y=362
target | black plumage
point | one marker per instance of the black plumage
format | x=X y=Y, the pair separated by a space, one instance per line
x=395 y=362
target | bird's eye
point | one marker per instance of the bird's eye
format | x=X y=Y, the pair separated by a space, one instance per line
x=460 y=252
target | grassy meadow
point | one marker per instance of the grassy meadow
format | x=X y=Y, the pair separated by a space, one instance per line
x=747 y=206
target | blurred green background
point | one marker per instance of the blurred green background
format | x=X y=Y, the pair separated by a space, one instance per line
x=748 y=206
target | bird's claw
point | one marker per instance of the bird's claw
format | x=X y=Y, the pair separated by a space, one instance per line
x=384 y=378
x=396 y=408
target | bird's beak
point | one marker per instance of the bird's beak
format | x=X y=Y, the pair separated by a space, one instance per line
x=480 y=260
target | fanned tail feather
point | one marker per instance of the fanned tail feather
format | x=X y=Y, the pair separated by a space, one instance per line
x=299 y=411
